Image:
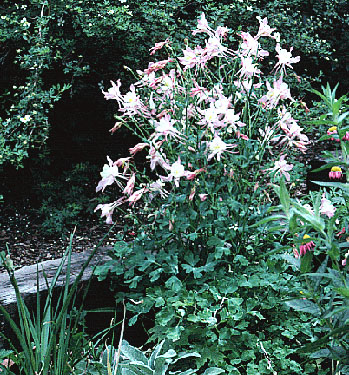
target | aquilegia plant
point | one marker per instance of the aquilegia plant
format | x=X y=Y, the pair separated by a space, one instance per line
x=213 y=131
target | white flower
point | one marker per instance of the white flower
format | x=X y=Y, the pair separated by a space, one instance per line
x=25 y=119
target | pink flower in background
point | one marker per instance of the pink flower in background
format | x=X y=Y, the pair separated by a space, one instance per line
x=346 y=137
x=202 y=26
x=326 y=207
x=264 y=28
x=137 y=195
x=335 y=173
x=282 y=167
x=203 y=197
x=159 y=46
x=285 y=58
x=137 y=148
x=130 y=185
x=279 y=91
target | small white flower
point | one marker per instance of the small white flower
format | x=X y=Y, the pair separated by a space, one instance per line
x=25 y=119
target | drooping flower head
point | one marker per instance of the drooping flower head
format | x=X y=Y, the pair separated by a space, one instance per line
x=306 y=245
x=335 y=173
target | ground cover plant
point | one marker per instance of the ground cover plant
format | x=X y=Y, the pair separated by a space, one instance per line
x=216 y=131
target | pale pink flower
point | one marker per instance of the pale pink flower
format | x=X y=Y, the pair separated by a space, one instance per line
x=130 y=185
x=123 y=163
x=192 y=57
x=155 y=66
x=192 y=193
x=251 y=47
x=217 y=147
x=109 y=174
x=165 y=127
x=279 y=91
x=114 y=92
x=177 y=171
x=157 y=159
x=221 y=31
x=203 y=197
x=137 y=148
x=326 y=207
x=202 y=26
x=137 y=195
x=157 y=187
x=285 y=58
x=248 y=68
x=199 y=91
x=159 y=46
x=264 y=28
x=108 y=209
x=214 y=48
x=292 y=130
x=192 y=175
x=281 y=167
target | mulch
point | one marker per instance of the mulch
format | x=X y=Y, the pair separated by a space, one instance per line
x=21 y=234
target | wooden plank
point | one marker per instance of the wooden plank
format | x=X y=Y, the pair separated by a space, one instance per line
x=27 y=276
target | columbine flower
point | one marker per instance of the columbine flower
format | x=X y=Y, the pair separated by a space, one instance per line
x=335 y=173
x=264 y=28
x=177 y=171
x=109 y=175
x=282 y=167
x=217 y=147
x=306 y=245
x=326 y=207
x=130 y=185
x=159 y=46
x=248 y=68
x=285 y=58
x=278 y=92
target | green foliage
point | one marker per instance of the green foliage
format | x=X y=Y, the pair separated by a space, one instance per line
x=49 y=339
x=66 y=200
x=213 y=278
x=324 y=271
x=129 y=360
x=50 y=47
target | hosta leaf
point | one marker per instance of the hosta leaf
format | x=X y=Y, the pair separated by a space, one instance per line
x=132 y=353
x=213 y=371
